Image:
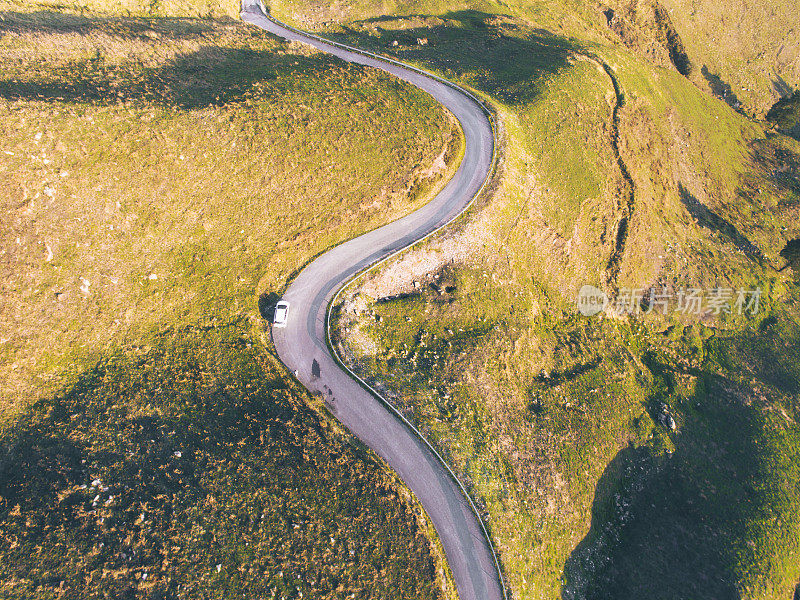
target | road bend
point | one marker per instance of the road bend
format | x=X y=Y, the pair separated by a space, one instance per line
x=302 y=346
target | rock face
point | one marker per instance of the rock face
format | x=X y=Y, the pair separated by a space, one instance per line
x=404 y=275
x=665 y=418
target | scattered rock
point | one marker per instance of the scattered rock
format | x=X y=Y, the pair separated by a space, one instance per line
x=405 y=275
x=665 y=418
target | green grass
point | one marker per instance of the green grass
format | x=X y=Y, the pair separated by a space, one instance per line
x=749 y=57
x=554 y=421
x=555 y=99
x=742 y=53
x=550 y=421
x=722 y=510
x=205 y=9
x=549 y=417
x=182 y=168
x=187 y=466
x=162 y=178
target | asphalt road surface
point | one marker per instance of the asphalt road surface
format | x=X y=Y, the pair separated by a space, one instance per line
x=301 y=344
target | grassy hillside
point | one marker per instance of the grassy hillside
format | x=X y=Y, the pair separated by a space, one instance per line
x=204 y=9
x=742 y=52
x=620 y=172
x=748 y=51
x=163 y=178
x=745 y=53
x=169 y=171
x=190 y=468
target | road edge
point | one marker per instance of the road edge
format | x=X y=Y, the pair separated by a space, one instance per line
x=356 y=277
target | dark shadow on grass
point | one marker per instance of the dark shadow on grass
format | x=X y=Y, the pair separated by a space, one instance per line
x=210 y=76
x=266 y=305
x=710 y=220
x=133 y=436
x=780 y=86
x=171 y=457
x=493 y=55
x=555 y=378
x=490 y=53
x=143 y=28
x=785 y=113
x=791 y=252
x=777 y=163
x=668 y=526
x=721 y=89
x=771 y=354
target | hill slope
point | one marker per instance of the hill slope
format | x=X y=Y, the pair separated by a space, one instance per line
x=620 y=172
x=163 y=178
x=190 y=468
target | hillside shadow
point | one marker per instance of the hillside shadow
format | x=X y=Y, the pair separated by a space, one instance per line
x=780 y=165
x=209 y=76
x=38 y=457
x=721 y=89
x=137 y=444
x=771 y=353
x=780 y=86
x=785 y=113
x=490 y=53
x=493 y=55
x=142 y=28
x=710 y=220
x=791 y=253
x=668 y=526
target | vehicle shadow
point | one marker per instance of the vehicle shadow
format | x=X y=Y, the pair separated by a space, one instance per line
x=266 y=305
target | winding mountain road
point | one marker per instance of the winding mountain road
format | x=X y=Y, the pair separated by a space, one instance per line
x=302 y=346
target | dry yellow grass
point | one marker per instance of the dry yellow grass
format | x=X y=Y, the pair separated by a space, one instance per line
x=163 y=172
x=156 y=177
x=551 y=416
